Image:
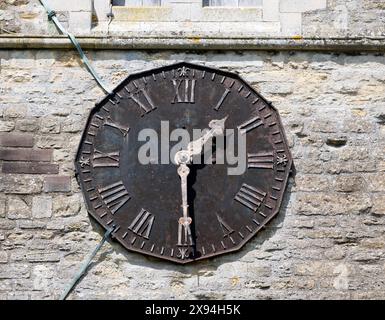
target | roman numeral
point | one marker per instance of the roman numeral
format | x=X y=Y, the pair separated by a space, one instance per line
x=142 y=224
x=108 y=159
x=184 y=235
x=250 y=197
x=147 y=105
x=110 y=123
x=264 y=160
x=222 y=99
x=227 y=231
x=187 y=87
x=250 y=125
x=114 y=196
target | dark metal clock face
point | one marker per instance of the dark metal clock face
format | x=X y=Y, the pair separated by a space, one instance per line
x=144 y=201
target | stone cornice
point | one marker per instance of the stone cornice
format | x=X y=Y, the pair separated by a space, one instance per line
x=354 y=44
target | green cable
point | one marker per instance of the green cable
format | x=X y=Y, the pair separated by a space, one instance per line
x=52 y=16
x=86 y=265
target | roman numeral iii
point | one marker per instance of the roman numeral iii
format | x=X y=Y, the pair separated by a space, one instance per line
x=114 y=196
x=184 y=90
x=250 y=197
x=142 y=224
x=263 y=160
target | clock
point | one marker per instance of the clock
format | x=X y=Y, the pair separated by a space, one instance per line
x=183 y=206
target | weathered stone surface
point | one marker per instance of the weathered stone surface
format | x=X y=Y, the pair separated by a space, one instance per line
x=30 y=168
x=66 y=206
x=25 y=154
x=332 y=203
x=326 y=242
x=350 y=183
x=2 y=208
x=57 y=184
x=42 y=207
x=18 y=208
x=378 y=204
x=14 y=271
x=3 y=257
x=27 y=125
x=16 y=140
x=6 y=126
x=50 y=125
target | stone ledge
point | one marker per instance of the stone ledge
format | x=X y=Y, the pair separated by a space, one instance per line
x=198 y=43
x=174 y=14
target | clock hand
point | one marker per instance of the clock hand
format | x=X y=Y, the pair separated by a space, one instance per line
x=183 y=158
x=195 y=147
x=185 y=221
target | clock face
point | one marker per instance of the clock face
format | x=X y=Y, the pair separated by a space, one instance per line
x=159 y=210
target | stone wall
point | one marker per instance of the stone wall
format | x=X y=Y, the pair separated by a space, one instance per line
x=289 y=18
x=327 y=242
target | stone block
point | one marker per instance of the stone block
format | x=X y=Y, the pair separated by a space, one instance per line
x=18 y=208
x=101 y=9
x=16 y=111
x=6 y=224
x=26 y=154
x=302 y=5
x=66 y=206
x=6 y=126
x=31 y=224
x=50 y=125
x=27 y=125
x=378 y=204
x=291 y=24
x=376 y=182
x=3 y=257
x=30 y=168
x=14 y=271
x=20 y=184
x=16 y=140
x=349 y=183
x=70 y=5
x=57 y=184
x=43 y=256
x=2 y=208
x=80 y=22
x=271 y=10
x=42 y=207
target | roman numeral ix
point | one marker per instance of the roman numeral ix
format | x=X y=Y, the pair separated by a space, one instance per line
x=105 y=159
x=250 y=197
x=114 y=196
x=142 y=224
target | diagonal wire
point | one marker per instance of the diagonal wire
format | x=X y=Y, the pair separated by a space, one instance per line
x=85 y=265
x=52 y=16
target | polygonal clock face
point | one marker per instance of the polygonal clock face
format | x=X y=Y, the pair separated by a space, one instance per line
x=127 y=171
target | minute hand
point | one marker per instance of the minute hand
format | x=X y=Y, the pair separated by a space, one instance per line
x=216 y=128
